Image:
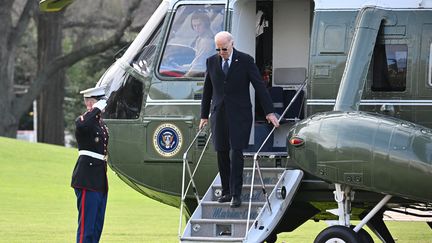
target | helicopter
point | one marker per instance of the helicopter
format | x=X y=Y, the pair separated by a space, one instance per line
x=351 y=82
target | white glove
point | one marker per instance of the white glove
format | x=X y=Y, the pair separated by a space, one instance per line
x=100 y=104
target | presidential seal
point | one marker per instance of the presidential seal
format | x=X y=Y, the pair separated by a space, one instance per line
x=167 y=139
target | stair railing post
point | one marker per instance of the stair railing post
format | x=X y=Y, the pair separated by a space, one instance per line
x=186 y=166
x=182 y=195
x=250 y=198
x=194 y=189
x=262 y=181
x=199 y=160
x=256 y=164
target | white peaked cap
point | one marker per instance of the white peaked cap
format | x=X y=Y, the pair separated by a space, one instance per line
x=94 y=92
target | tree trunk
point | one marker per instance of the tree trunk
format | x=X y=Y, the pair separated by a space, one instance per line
x=13 y=107
x=8 y=123
x=50 y=120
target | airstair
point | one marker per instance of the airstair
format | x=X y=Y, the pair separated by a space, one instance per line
x=259 y=213
x=254 y=220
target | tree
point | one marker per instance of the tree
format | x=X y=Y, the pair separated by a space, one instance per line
x=12 y=106
x=50 y=129
x=11 y=35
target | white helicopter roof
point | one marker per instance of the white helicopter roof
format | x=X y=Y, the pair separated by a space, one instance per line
x=357 y=4
x=334 y=4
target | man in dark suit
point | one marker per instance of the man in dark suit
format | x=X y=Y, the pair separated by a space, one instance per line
x=226 y=97
x=89 y=177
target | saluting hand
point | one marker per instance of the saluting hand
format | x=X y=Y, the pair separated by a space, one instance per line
x=271 y=117
x=101 y=104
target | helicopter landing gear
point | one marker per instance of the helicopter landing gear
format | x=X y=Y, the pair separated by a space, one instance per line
x=343 y=232
x=337 y=234
x=363 y=235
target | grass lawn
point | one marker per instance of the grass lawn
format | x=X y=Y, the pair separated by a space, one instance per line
x=38 y=205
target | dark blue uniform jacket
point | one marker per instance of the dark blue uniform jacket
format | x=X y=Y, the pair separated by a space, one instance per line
x=92 y=135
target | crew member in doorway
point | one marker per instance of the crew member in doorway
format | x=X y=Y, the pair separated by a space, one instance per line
x=226 y=97
x=89 y=177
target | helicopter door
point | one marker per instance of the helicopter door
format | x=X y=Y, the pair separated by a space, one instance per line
x=281 y=30
x=424 y=88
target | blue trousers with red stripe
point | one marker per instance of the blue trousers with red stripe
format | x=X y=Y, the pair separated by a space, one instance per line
x=91 y=214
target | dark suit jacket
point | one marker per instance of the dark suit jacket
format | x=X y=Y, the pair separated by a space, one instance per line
x=92 y=135
x=232 y=92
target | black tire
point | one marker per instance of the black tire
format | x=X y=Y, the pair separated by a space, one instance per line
x=272 y=238
x=364 y=236
x=339 y=234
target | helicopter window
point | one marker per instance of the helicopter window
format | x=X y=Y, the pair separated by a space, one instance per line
x=390 y=67
x=145 y=58
x=125 y=100
x=191 y=40
x=430 y=66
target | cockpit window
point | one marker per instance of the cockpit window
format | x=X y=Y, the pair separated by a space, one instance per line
x=191 y=40
x=430 y=66
x=390 y=67
x=126 y=101
x=145 y=58
x=124 y=91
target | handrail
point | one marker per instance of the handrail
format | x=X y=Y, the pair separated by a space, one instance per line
x=199 y=161
x=257 y=164
x=191 y=175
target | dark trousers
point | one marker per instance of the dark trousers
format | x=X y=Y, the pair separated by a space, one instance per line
x=230 y=160
x=230 y=165
x=91 y=214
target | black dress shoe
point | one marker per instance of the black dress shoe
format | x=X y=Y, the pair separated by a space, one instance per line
x=235 y=202
x=224 y=198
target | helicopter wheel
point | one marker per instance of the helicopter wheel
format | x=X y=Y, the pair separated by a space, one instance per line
x=271 y=238
x=364 y=236
x=337 y=234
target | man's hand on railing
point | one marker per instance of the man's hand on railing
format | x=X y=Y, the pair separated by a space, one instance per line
x=203 y=123
x=271 y=118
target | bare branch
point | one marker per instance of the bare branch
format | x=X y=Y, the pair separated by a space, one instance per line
x=69 y=59
x=89 y=25
x=93 y=22
x=21 y=26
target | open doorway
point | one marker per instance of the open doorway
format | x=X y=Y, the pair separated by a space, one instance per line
x=263 y=48
x=282 y=55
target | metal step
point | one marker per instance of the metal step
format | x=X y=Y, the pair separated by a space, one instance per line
x=266 y=154
x=270 y=175
x=219 y=227
x=211 y=239
x=257 y=195
x=218 y=222
x=230 y=221
x=216 y=210
x=280 y=199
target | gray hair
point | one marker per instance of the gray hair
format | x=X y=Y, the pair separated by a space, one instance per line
x=223 y=35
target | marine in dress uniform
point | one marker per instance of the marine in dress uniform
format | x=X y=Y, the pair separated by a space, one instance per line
x=89 y=177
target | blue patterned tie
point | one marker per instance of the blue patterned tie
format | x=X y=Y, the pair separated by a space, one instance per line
x=225 y=67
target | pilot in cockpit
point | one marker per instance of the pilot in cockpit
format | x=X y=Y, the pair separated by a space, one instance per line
x=203 y=43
